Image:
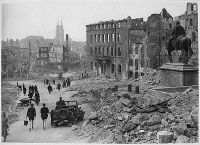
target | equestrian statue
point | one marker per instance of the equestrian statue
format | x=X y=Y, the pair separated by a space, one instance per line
x=179 y=41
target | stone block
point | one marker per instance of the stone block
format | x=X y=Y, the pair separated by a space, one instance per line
x=154 y=120
x=164 y=136
x=93 y=116
x=118 y=106
x=110 y=138
x=171 y=117
x=178 y=74
x=129 y=110
x=126 y=102
x=182 y=139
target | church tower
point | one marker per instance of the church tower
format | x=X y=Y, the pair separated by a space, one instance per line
x=57 y=34
x=61 y=37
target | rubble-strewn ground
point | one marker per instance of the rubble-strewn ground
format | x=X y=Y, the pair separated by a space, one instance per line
x=9 y=93
x=125 y=117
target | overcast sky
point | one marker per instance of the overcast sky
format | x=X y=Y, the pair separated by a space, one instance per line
x=40 y=17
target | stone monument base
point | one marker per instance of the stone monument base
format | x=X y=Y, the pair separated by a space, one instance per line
x=178 y=74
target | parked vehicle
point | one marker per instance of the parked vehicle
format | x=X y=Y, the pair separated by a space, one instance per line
x=67 y=113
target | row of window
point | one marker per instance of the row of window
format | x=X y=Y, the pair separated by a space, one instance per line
x=136 y=63
x=104 y=26
x=105 y=51
x=44 y=49
x=136 y=49
x=119 y=69
x=105 y=38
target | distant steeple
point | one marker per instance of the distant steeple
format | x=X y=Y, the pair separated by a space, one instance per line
x=61 y=39
x=57 y=34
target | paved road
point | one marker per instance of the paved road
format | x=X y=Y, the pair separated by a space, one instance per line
x=21 y=134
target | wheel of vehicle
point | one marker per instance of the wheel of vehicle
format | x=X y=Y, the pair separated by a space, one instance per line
x=63 y=113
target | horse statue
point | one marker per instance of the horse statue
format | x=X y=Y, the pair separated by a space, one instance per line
x=184 y=44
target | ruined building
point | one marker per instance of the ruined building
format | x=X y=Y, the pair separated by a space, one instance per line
x=159 y=29
x=115 y=48
x=59 y=39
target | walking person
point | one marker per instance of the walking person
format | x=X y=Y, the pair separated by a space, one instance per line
x=31 y=114
x=4 y=126
x=64 y=84
x=23 y=86
x=47 y=81
x=68 y=82
x=36 y=89
x=24 y=91
x=50 y=89
x=33 y=88
x=58 y=86
x=44 y=114
x=44 y=81
x=54 y=82
x=37 y=97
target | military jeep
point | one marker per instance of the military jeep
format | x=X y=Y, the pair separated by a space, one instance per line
x=68 y=113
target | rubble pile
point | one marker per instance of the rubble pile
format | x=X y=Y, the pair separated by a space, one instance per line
x=9 y=94
x=149 y=117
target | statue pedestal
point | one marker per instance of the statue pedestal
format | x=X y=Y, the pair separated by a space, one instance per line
x=178 y=74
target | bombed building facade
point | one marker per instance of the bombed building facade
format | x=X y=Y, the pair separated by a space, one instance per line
x=130 y=48
x=114 y=48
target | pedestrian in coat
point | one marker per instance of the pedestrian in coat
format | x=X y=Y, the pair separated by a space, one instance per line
x=44 y=114
x=4 y=124
x=68 y=82
x=54 y=82
x=33 y=88
x=47 y=81
x=36 y=89
x=64 y=84
x=23 y=86
x=30 y=88
x=58 y=86
x=50 y=89
x=24 y=91
x=31 y=114
x=37 y=97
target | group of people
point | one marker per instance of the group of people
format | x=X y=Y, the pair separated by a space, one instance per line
x=44 y=111
x=31 y=114
x=33 y=89
x=47 y=82
x=66 y=82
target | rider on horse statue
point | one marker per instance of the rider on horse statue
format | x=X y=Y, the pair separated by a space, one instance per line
x=177 y=33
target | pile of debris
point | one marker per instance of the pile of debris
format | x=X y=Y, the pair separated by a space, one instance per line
x=9 y=94
x=141 y=118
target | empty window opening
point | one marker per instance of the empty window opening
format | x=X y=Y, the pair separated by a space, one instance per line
x=119 y=69
x=130 y=62
x=112 y=68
